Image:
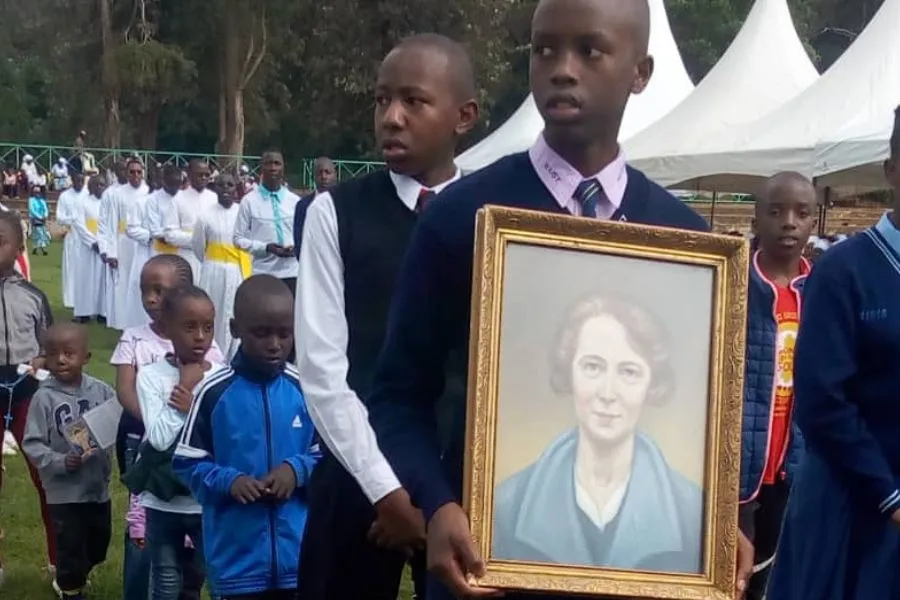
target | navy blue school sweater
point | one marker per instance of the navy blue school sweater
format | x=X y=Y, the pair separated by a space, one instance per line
x=428 y=326
x=837 y=540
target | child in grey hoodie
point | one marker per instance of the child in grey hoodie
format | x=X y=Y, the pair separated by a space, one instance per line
x=75 y=481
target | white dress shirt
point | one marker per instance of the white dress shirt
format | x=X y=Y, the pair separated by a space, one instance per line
x=322 y=336
x=256 y=227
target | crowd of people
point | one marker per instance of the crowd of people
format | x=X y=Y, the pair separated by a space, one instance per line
x=292 y=371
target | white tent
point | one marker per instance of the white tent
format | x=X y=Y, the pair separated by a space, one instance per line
x=669 y=85
x=765 y=66
x=861 y=85
x=853 y=157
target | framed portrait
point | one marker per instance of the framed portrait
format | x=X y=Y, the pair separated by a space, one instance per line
x=604 y=409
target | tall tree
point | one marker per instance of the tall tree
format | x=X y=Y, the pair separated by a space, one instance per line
x=109 y=78
x=151 y=74
x=245 y=38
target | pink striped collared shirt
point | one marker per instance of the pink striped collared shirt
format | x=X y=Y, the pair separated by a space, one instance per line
x=561 y=179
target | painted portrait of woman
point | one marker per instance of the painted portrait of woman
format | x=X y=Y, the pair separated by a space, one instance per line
x=602 y=494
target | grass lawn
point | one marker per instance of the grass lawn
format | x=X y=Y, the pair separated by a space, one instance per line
x=23 y=549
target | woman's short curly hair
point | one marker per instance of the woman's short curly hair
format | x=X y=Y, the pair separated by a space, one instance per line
x=644 y=331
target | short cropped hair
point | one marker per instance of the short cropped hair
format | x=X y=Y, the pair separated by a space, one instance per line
x=645 y=333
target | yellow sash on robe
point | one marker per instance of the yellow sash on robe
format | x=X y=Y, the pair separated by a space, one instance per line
x=91 y=225
x=232 y=255
x=164 y=247
x=123 y=226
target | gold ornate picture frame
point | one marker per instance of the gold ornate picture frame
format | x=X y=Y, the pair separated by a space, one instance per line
x=604 y=409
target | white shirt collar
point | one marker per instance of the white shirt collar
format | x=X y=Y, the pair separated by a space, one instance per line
x=408 y=188
x=601 y=516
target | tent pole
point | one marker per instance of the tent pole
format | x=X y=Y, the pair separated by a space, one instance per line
x=712 y=213
x=823 y=212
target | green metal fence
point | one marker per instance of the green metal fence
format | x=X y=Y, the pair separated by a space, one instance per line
x=300 y=176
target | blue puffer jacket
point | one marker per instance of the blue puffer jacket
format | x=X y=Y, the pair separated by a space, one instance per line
x=759 y=381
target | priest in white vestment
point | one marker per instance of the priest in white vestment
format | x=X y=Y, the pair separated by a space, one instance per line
x=110 y=236
x=89 y=293
x=134 y=245
x=189 y=203
x=223 y=265
x=65 y=214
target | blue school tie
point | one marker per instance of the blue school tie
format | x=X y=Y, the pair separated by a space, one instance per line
x=275 y=197
x=588 y=193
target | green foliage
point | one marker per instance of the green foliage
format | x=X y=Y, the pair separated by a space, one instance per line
x=152 y=73
x=312 y=91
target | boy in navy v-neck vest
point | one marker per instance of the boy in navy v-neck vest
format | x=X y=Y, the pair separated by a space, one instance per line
x=588 y=57
x=354 y=240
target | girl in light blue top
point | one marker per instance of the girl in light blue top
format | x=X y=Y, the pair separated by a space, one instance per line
x=37 y=215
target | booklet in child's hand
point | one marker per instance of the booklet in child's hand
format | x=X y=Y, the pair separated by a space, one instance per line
x=96 y=429
x=80 y=437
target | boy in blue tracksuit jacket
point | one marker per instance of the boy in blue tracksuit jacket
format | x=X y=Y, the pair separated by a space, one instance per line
x=247 y=451
x=784 y=217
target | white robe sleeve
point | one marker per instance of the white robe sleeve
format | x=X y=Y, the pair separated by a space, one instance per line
x=175 y=232
x=198 y=239
x=80 y=226
x=155 y=205
x=64 y=214
x=136 y=228
x=107 y=228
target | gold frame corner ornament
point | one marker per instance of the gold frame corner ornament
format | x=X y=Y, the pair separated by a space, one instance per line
x=728 y=257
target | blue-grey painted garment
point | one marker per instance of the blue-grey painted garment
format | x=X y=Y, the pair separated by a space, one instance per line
x=658 y=527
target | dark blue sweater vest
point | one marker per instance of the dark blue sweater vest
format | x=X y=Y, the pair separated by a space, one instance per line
x=428 y=327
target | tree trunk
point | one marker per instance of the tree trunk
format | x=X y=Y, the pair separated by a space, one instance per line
x=149 y=128
x=223 y=118
x=112 y=131
x=234 y=140
x=244 y=45
x=231 y=109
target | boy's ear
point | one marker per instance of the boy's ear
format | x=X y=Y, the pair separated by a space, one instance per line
x=87 y=357
x=468 y=117
x=232 y=326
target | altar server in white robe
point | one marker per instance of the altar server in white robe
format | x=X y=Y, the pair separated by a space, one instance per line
x=89 y=293
x=134 y=249
x=65 y=213
x=223 y=265
x=111 y=236
x=189 y=203
x=160 y=207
